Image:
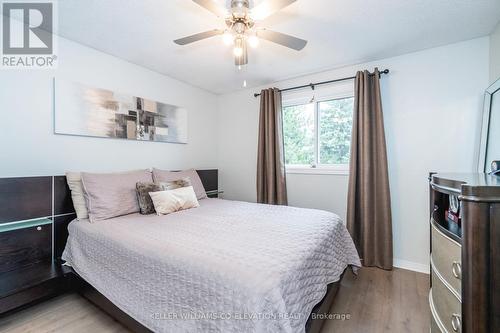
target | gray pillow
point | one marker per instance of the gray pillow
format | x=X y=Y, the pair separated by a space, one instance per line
x=112 y=194
x=162 y=176
x=145 y=203
x=175 y=184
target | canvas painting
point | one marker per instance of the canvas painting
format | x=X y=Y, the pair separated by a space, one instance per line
x=89 y=111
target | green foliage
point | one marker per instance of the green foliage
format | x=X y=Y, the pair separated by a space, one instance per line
x=298 y=132
x=335 y=126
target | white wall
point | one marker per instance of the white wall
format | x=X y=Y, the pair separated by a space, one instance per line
x=432 y=105
x=495 y=54
x=29 y=147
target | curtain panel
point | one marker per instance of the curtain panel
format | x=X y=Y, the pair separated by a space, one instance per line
x=271 y=179
x=369 y=218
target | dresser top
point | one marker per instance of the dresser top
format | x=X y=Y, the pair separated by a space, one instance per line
x=469 y=186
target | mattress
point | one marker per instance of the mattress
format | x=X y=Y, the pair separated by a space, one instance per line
x=226 y=266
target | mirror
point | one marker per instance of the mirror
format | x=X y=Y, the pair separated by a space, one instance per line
x=490 y=132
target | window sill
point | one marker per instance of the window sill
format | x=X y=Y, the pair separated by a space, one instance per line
x=316 y=171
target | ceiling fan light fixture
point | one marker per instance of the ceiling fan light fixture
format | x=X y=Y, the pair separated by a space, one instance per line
x=240 y=8
x=238 y=52
x=243 y=58
x=241 y=30
x=238 y=47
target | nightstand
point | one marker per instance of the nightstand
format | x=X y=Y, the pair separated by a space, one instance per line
x=27 y=272
x=34 y=212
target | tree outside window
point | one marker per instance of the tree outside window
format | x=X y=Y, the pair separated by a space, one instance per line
x=318 y=134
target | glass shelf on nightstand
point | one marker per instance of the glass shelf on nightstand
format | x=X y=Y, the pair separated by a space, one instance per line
x=215 y=193
x=10 y=226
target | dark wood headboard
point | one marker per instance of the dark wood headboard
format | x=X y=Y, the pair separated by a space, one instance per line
x=26 y=200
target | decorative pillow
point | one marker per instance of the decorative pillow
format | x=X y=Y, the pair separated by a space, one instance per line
x=145 y=203
x=167 y=202
x=173 y=184
x=162 y=176
x=74 y=180
x=112 y=194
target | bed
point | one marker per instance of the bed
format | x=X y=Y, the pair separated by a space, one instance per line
x=226 y=266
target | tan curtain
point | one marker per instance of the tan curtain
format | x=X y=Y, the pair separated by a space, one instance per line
x=369 y=201
x=271 y=183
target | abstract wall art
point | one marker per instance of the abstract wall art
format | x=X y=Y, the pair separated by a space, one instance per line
x=87 y=111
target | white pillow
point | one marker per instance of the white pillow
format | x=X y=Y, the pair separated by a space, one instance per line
x=170 y=201
x=74 y=180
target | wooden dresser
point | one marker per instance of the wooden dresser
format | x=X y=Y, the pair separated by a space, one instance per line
x=465 y=256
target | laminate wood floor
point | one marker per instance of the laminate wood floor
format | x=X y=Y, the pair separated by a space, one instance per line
x=375 y=300
x=382 y=301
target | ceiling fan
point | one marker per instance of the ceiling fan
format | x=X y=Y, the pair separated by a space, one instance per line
x=241 y=28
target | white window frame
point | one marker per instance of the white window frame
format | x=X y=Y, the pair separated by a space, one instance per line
x=324 y=169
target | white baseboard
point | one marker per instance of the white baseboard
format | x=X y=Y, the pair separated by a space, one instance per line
x=411 y=266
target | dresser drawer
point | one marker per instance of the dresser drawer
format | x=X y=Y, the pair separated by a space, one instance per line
x=446 y=258
x=446 y=305
x=436 y=324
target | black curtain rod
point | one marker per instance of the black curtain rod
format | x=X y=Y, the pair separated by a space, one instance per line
x=312 y=85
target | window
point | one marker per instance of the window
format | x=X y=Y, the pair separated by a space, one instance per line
x=317 y=136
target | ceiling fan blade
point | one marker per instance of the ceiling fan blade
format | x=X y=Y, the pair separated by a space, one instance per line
x=213 y=7
x=282 y=39
x=198 y=37
x=268 y=8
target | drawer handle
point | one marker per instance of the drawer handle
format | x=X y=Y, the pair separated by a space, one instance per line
x=456 y=269
x=456 y=322
x=38 y=228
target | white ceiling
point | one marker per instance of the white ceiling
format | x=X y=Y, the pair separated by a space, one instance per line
x=340 y=32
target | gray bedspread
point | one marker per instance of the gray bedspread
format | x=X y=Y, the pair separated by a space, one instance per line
x=226 y=266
